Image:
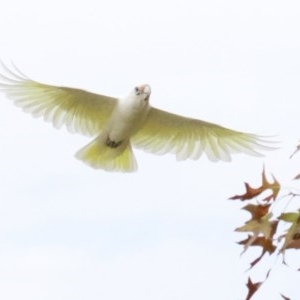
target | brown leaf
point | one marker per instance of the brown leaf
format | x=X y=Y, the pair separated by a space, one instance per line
x=254 y=192
x=294 y=242
x=252 y=288
x=266 y=244
x=263 y=226
x=250 y=193
x=257 y=211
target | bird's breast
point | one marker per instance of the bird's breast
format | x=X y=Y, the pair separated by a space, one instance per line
x=125 y=121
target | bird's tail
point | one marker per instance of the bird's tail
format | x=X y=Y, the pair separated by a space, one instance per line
x=99 y=155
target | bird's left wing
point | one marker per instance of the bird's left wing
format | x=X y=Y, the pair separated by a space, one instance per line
x=165 y=132
x=79 y=110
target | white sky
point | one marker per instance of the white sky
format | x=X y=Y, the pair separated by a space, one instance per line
x=165 y=232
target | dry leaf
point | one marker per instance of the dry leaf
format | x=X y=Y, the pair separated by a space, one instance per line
x=257 y=211
x=252 y=288
x=263 y=226
x=254 y=192
x=266 y=244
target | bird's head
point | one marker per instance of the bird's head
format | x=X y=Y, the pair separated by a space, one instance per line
x=142 y=91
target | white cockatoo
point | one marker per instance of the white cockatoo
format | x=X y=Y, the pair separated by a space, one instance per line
x=117 y=124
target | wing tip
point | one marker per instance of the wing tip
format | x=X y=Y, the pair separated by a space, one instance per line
x=11 y=75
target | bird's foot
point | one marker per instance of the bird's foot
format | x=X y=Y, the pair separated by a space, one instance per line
x=112 y=144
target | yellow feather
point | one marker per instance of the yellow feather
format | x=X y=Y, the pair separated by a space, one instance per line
x=99 y=156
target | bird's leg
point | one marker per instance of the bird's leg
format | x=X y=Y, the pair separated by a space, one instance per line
x=112 y=144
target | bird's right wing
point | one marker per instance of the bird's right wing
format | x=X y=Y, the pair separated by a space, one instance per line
x=165 y=132
x=79 y=110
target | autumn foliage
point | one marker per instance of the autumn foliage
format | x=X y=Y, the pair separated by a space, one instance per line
x=263 y=228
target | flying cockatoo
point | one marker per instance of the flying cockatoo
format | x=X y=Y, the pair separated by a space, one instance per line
x=117 y=124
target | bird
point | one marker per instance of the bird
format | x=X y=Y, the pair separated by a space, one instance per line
x=119 y=124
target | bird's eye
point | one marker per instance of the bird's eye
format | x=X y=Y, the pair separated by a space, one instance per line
x=136 y=90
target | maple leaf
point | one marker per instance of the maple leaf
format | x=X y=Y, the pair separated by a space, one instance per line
x=254 y=192
x=266 y=244
x=292 y=236
x=263 y=226
x=257 y=211
x=258 y=224
x=252 y=288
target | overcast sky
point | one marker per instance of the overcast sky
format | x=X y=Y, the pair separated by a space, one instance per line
x=165 y=232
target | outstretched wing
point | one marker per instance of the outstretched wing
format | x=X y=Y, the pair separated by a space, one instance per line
x=165 y=132
x=80 y=111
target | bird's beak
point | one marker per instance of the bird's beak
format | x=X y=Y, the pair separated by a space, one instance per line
x=145 y=89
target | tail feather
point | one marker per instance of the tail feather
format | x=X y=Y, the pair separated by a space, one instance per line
x=99 y=156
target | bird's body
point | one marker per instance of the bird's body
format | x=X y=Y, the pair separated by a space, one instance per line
x=128 y=115
x=113 y=142
x=117 y=124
